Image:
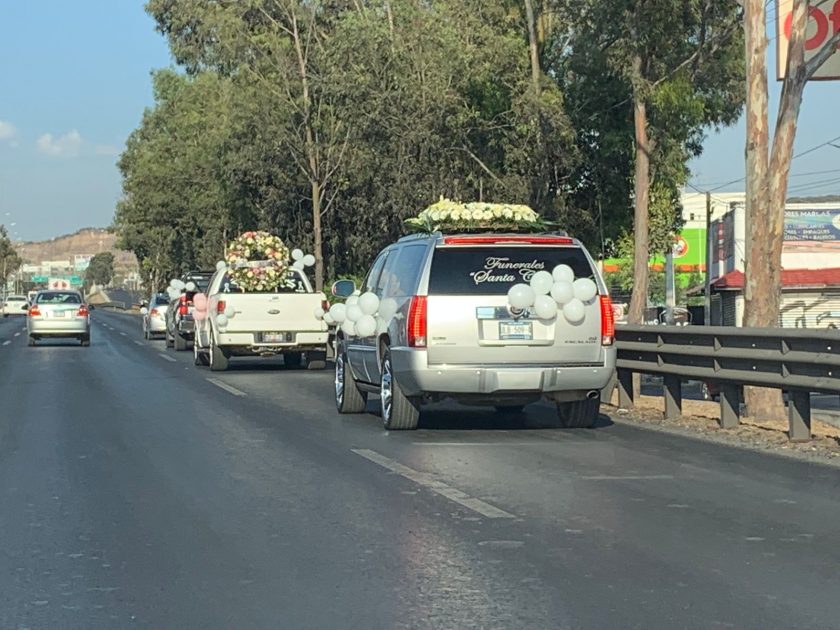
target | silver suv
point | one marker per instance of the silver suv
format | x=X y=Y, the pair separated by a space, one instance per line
x=454 y=334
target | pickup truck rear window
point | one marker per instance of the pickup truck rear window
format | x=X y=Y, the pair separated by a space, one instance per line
x=229 y=286
x=494 y=270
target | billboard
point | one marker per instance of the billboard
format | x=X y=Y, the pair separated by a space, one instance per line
x=81 y=262
x=814 y=230
x=823 y=22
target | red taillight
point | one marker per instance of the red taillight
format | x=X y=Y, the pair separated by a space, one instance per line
x=325 y=305
x=183 y=309
x=607 y=321
x=494 y=240
x=220 y=307
x=83 y=311
x=416 y=324
x=35 y=311
x=154 y=312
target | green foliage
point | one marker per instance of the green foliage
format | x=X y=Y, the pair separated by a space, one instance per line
x=10 y=260
x=100 y=271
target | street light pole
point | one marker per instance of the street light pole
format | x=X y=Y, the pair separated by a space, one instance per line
x=707 y=302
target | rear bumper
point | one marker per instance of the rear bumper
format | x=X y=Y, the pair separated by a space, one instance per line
x=416 y=377
x=157 y=326
x=70 y=328
x=245 y=341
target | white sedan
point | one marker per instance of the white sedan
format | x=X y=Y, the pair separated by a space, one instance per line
x=15 y=305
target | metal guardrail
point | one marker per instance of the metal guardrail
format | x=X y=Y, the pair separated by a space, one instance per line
x=799 y=361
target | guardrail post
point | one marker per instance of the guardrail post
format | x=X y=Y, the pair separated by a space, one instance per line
x=799 y=416
x=673 y=396
x=730 y=406
x=625 y=389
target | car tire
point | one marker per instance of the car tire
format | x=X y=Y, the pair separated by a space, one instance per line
x=399 y=412
x=219 y=359
x=293 y=360
x=180 y=343
x=169 y=340
x=579 y=414
x=85 y=341
x=146 y=334
x=31 y=340
x=200 y=357
x=316 y=360
x=510 y=409
x=348 y=397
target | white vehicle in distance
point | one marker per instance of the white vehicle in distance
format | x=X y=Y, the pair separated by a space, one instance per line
x=15 y=305
x=154 y=316
x=450 y=332
x=58 y=314
x=282 y=321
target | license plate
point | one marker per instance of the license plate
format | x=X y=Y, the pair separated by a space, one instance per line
x=58 y=313
x=276 y=337
x=522 y=331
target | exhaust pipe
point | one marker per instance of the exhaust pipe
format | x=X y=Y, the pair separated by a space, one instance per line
x=593 y=394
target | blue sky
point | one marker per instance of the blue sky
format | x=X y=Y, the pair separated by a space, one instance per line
x=74 y=80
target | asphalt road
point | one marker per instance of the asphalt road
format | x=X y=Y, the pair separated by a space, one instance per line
x=139 y=491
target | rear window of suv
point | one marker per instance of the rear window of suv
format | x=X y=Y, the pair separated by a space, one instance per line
x=494 y=270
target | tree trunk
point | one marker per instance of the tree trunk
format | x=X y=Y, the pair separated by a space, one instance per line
x=532 y=41
x=316 y=236
x=641 y=250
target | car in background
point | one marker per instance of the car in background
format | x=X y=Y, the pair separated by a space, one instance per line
x=15 y=305
x=154 y=316
x=180 y=327
x=58 y=314
x=451 y=333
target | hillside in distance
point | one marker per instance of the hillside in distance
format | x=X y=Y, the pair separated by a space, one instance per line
x=86 y=241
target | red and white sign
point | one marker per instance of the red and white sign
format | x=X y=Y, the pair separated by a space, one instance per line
x=823 y=22
x=58 y=284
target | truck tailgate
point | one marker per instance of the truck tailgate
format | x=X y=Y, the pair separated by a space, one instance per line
x=260 y=312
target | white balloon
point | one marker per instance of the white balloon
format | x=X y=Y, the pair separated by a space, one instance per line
x=230 y=311
x=387 y=309
x=318 y=313
x=221 y=319
x=563 y=273
x=541 y=282
x=221 y=265
x=562 y=292
x=144 y=311
x=349 y=328
x=173 y=294
x=585 y=289
x=180 y=285
x=173 y=283
x=353 y=299
x=354 y=313
x=545 y=307
x=366 y=326
x=574 y=311
x=381 y=326
x=329 y=319
x=297 y=254
x=190 y=286
x=308 y=260
x=298 y=264
x=338 y=312
x=521 y=296
x=369 y=303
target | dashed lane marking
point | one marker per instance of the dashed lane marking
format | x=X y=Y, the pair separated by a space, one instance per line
x=138 y=343
x=6 y=343
x=438 y=487
x=124 y=334
x=230 y=389
x=166 y=357
x=17 y=334
x=625 y=477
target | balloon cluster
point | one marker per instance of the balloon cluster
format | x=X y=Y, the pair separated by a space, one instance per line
x=548 y=292
x=361 y=315
x=177 y=287
x=301 y=260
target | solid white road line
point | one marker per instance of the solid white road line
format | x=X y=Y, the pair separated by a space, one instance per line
x=230 y=389
x=428 y=481
x=166 y=356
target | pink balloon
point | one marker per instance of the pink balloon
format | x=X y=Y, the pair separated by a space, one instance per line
x=199 y=315
x=200 y=302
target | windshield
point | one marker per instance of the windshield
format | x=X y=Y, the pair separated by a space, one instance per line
x=296 y=285
x=494 y=270
x=201 y=279
x=15 y=298
x=161 y=300
x=55 y=297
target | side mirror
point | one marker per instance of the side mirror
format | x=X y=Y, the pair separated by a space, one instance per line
x=25 y=307
x=144 y=311
x=343 y=288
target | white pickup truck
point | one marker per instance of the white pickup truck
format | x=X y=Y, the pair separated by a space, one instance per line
x=240 y=323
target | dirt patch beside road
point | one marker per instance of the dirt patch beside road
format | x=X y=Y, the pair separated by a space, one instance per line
x=701 y=419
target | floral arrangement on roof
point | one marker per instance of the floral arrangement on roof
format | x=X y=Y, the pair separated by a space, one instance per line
x=448 y=215
x=258 y=261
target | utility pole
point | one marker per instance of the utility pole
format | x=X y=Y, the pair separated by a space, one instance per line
x=707 y=302
x=670 y=288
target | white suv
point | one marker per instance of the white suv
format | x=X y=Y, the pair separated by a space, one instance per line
x=454 y=334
